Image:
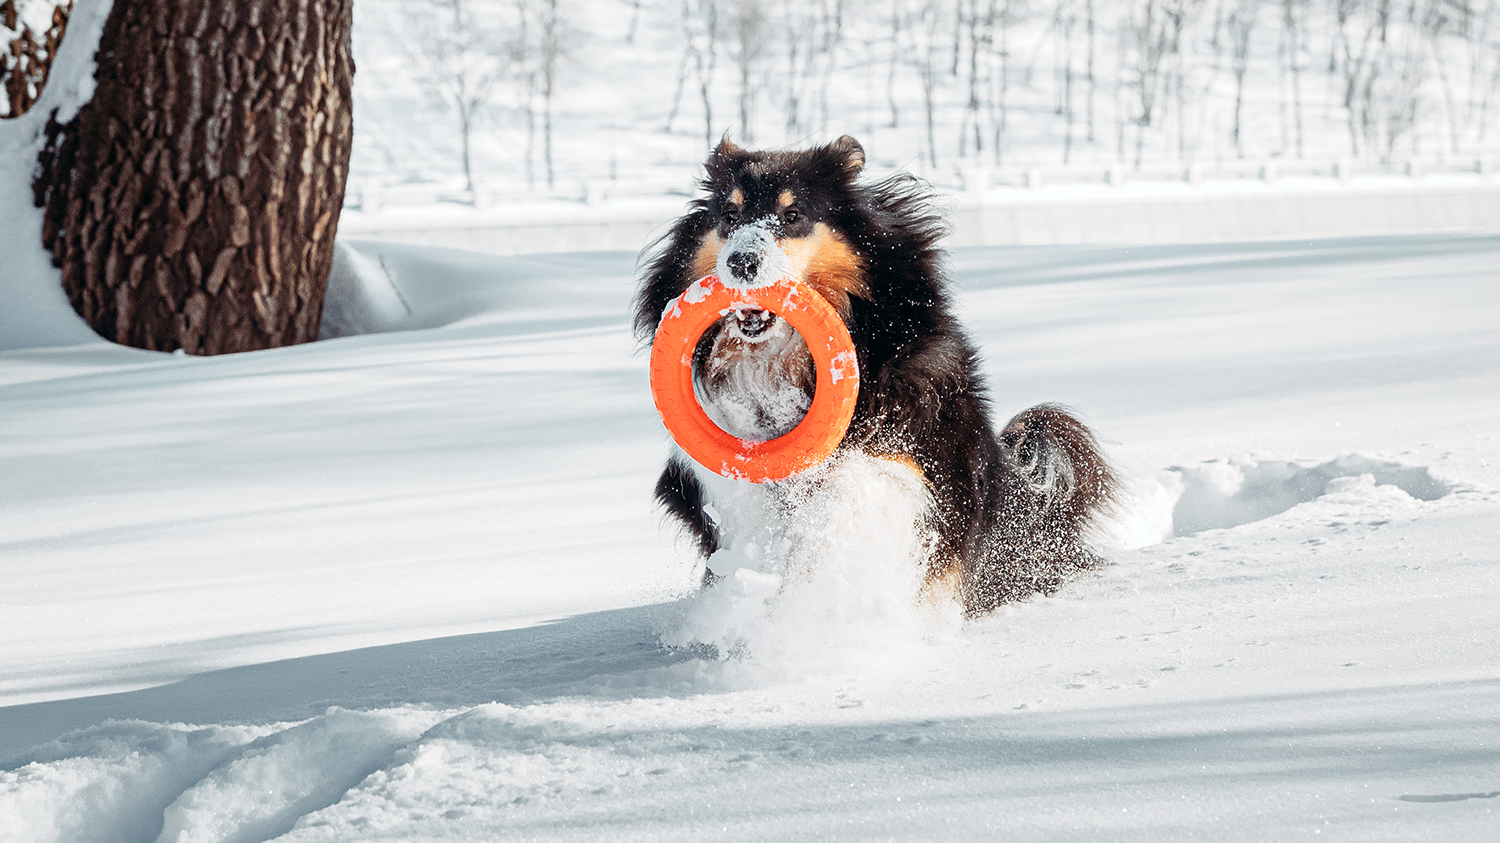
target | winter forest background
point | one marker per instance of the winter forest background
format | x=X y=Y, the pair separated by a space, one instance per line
x=620 y=96
x=478 y=100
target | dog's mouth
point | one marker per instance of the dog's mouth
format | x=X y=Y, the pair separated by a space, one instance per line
x=752 y=323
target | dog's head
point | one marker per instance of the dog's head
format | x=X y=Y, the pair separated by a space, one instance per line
x=864 y=246
x=774 y=215
x=764 y=216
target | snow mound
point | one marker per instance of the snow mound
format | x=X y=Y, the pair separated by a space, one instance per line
x=1229 y=492
x=113 y=781
x=377 y=288
x=174 y=783
x=262 y=793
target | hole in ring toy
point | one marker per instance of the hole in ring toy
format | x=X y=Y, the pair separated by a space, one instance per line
x=820 y=431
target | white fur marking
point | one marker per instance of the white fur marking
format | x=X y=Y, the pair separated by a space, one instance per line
x=755 y=238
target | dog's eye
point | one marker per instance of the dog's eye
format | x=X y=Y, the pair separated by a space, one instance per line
x=731 y=214
x=791 y=215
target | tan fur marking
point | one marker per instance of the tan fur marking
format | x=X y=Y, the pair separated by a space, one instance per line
x=785 y=200
x=828 y=264
x=707 y=256
x=942 y=585
x=944 y=576
x=906 y=461
x=737 y=197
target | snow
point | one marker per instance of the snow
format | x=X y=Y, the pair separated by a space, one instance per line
x=408 y=583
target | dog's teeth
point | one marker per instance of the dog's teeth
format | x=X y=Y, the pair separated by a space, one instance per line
x=753 y=322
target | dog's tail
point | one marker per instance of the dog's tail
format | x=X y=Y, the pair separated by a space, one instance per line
x=1053 y=485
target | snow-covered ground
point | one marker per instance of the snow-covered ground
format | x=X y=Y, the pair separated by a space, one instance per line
x=409 y=585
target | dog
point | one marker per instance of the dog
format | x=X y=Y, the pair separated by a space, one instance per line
x=1004 y=516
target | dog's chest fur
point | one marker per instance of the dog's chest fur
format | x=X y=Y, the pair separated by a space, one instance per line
x=755 y=388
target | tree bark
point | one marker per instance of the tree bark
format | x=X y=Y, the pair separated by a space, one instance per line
x=192 y=203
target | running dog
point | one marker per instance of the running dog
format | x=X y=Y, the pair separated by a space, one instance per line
x=1005 y=516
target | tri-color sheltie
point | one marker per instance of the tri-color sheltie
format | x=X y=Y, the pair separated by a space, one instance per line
x=1003 y=516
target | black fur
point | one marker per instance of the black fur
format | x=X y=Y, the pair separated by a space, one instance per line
x=680 y=493
x=921 y=397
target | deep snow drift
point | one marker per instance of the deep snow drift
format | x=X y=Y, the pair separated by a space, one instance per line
x=1296 y=635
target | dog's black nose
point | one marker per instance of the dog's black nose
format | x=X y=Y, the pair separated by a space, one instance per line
x=744 y=265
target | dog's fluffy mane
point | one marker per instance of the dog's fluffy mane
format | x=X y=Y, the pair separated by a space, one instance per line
x=1010 y=513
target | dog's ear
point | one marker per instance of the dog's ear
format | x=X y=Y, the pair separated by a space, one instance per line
x=723 y=161
x=848 y=151
x=726 y=151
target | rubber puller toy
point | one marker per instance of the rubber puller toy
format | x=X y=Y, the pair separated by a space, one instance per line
x=811 y=442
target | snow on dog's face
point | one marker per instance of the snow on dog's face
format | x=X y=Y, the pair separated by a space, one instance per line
x=773 y=215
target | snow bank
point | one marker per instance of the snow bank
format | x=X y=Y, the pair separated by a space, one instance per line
x=1055 y=214
x=1228 y=493
x=377 y=287
x=112 y=782
x=263 y=791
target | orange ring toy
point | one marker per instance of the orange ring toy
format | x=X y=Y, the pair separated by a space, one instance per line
x=820 y=431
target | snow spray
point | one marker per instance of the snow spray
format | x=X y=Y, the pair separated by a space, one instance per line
x=820 y=572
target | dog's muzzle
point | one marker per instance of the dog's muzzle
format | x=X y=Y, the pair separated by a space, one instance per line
x=751 y=257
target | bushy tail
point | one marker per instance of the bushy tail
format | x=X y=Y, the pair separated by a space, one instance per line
x=1052 y=484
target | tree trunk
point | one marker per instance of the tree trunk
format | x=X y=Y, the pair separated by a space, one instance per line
x=192 y=203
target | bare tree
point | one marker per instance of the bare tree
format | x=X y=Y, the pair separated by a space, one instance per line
x=978 y=17
x=1355 y=24
x=751 y=33
x=683 y=60
x=1241 y=26
x=1008 y=14
x=1182 y=15
x=520 y=49
x=796 y=32
x=1293 y=30
x=926 y=57
x=803 y=26
x=1484 y=47
x=831 y=32
x=1483 y=54
x=1089 y=27
x=700 y=22
x=1123 y=82
x=1383 y=77
x=552 y=31
x=635 y=19
x=1064 y=20
x=1436 y=23
x=897 y=20
x=539 y=42
x=456 y=59
x=1148 y=37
